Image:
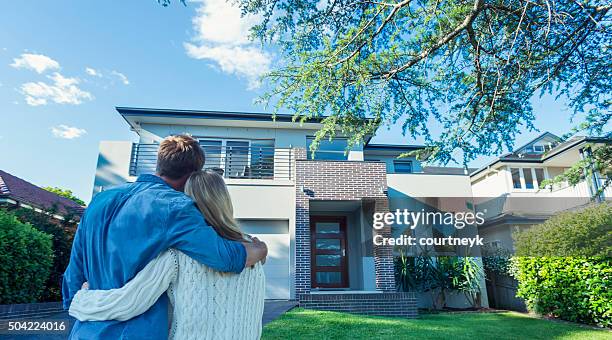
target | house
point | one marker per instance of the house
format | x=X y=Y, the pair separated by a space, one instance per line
x=509 y=189
x=16 y=192
x=314 y=211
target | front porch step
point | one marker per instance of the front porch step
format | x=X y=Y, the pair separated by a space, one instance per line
x=383 y=304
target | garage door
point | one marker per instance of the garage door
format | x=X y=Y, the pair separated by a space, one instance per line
x=276 y=236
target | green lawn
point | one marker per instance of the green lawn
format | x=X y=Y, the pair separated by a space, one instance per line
x=308 y=324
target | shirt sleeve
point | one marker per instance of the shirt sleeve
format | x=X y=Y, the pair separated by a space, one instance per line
x=74 y=276
x=189 y=233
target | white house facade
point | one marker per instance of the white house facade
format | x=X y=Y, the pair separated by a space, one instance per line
x=510 y=190
x=315 y=212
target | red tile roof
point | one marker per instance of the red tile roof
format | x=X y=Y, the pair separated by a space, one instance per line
x=17 y=189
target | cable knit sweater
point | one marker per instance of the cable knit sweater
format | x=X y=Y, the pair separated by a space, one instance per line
x=207 y=304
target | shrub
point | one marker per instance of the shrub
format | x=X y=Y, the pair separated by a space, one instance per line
x=583 y=233
x=25 y=260
x=565 y=268
x=576 y=289
x=62 y=233
x=441 y=276
x=496 y=260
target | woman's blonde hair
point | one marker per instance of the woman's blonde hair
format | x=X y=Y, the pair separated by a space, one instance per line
x=207 y=188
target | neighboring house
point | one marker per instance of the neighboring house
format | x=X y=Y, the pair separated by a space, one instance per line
x=509 y=188
x=314 y=211
x=15 y=192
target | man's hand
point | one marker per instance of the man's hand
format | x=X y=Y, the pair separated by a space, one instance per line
x=256 y=251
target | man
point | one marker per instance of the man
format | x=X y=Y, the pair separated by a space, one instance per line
x=125 y=228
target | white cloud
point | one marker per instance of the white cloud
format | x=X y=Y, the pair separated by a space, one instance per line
x=93 y=72
x=36 y=62
x=243 y=61
x=121 y=77
x=222 y=36
x=61 y=91
x=67 y=132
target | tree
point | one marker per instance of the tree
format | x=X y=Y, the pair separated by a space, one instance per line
x=65 y=193
x=469 y=66
x=598 y=163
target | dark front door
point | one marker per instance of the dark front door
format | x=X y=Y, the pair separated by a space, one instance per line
x=328 y=252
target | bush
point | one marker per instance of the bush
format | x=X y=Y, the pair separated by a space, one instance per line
x=25 y=260
x=62 y=233
x=565 y=269
x=441 y=276
x=584 y=233
x=576 y=289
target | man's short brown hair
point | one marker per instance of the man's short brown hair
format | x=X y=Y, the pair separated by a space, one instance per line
x=179 y=156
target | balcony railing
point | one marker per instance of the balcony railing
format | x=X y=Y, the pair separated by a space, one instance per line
x=252 y=162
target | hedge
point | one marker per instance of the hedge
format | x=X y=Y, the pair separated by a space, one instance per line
x=564 y=268
x=587 y=232
x=26 y=256
x=576 y=289
x=62 y=233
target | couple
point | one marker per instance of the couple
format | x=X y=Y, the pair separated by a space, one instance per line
x=144 y=243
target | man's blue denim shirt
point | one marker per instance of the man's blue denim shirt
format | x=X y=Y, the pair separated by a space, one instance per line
x=125 y=228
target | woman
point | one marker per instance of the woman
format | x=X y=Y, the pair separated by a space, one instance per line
x=206 y=304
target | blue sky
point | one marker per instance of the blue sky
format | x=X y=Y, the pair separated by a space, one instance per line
x=65 y=65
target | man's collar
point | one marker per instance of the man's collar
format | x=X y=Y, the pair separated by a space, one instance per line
x=151 y=178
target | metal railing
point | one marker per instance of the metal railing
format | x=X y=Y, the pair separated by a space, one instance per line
x=253 y=162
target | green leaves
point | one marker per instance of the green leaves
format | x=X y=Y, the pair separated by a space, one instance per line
x=439 y=275
x=564 y=267
x=25 y=260
x=66 y=194
x=577 y=289
x=587 y=232
x=469 y=67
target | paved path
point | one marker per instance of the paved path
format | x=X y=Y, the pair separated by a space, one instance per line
x=272 y=310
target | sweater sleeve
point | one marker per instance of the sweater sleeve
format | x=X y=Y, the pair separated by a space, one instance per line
x=131 y=300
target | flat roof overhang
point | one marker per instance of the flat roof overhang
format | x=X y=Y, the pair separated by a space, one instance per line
x=137 y=116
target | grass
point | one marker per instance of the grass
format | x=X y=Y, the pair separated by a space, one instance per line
x=308 y=324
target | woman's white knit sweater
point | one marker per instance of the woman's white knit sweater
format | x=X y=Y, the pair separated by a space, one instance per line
x=207 y=304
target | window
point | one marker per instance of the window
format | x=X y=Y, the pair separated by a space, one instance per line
x=528 y=176
x=237 y=158
x=212 y=151
x=402 y=167
x=539 y=175
x=334 y=150
x=538 y=148
x=516 y=178
x=240 y=158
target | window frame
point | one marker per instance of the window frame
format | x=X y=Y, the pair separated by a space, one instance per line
x=523 y=184
x=223 y=155
x=344 y=152
x=403 y=161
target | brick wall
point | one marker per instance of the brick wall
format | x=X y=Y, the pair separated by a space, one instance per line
x=385 y=304
x=338 y=180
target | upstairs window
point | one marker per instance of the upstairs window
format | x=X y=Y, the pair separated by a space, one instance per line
x=516 y=178
x=240 y=158
x=539 y=176
x=334 y=150
x=527 y=178
x=402 y=167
